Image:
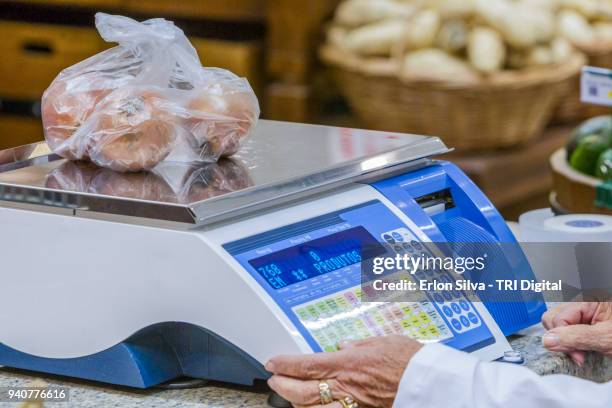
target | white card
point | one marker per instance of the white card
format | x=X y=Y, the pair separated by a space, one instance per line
x=596 y=86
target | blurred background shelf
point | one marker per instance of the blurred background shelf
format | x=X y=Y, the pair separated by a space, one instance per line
x=17 y=130
x=246 y=10
x=75 y=3
x=219 y=9
x=271 y=42
x=33 y=54
x=516 y=179
x=274 y=43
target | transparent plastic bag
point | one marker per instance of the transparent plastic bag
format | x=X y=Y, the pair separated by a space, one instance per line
x=146 y=101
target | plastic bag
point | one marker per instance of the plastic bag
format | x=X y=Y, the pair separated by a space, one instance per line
x=146 y=101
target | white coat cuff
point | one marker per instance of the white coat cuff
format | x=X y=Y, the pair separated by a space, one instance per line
x=436 y=375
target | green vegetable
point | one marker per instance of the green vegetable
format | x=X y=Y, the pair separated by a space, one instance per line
x=600 y=125
x=604 y=166
x=584 y=158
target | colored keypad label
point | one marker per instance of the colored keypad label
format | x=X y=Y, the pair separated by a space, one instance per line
x=342 y=316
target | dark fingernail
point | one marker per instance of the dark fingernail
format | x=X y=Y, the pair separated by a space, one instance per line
x=550 y=340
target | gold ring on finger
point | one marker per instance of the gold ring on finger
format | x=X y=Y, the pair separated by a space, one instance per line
x=325 y=393
x=348 y=402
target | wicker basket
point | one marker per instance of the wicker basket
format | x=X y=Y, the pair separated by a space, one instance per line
x=509 y=110
x=571 y=109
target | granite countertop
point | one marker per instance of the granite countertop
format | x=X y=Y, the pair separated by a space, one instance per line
x=537 y=358
x=85 y=395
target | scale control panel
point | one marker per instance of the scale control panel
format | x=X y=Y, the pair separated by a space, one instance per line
x=457 y=310
x=312 y=270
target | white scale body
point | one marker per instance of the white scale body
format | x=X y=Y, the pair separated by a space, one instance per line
x=127 y=277
x=77 y=284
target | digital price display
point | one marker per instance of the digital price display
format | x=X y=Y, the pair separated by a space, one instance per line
x=317 y=257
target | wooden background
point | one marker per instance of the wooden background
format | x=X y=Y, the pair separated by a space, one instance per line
x=271 y=42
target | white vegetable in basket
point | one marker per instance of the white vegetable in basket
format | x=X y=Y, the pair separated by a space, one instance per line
x=359 y=12
x=541 y=21
x=453 y=36
x=532 y=57
x=336 y=36
x=486 y=50
x=539 y=55
x=376 y=38
x=561 y=50
x=603 y=31
x=450 y=9
x=575 y=27
x=422 y=29
x=588 y=8
x=521 y=25
x=605 y=10
x=551 y=5
x=437 y=65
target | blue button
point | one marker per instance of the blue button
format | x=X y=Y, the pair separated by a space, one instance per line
x=465 y=321
x=388 y=238
x=447 y=311
x=398 y=248
x=456 y=308
x=464 y=305
x=447 y=296
x=456 y=294
x=398 y=237
x=416 y=244
x=456 y=324
x=473 y=318
x=407 y=247
x=438 y=298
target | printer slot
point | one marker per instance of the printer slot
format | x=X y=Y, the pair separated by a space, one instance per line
x=436 y=203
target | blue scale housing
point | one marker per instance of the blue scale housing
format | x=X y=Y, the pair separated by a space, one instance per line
x=474 y=222
x=169 y=350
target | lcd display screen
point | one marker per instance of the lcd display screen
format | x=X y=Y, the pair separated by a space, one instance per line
x=317 y=257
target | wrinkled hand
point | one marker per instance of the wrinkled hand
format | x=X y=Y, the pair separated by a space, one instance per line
x=574 y=328
x=369 y=371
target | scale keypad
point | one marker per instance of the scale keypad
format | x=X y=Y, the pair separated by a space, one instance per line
x=455 y=307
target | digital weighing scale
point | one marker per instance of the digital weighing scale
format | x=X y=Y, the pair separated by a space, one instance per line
x=114 y=279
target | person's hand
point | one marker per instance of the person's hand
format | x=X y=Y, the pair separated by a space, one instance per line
x=574 y=328
x=369 y=371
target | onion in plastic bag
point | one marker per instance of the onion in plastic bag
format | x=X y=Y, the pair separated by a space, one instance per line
x=145 y=101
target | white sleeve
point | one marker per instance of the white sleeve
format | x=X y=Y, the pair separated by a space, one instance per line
x=439 y=376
